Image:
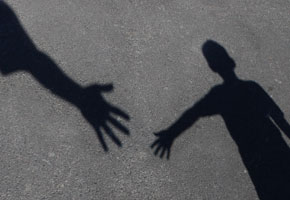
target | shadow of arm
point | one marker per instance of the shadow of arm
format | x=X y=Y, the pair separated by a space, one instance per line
x=279 y=119
x=165 y=138
x=187 y=119
x=275 y=112
x=89 y=100
x=49 y=75
x=18 y=53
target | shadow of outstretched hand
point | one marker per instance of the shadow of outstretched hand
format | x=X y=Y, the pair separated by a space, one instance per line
x=163 y=143
x=19 y=53
x=99 y=113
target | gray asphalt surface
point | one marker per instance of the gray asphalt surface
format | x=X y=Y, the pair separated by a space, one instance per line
x=150 y=50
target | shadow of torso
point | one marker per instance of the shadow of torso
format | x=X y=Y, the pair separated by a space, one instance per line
x=247 y=111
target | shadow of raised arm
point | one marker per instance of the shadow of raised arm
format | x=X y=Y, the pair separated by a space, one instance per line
x=18 y=53
x=165 y=138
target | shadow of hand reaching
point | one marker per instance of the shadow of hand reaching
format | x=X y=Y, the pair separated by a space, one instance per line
x=163 y=143
x=18 y=53
x=99 y=113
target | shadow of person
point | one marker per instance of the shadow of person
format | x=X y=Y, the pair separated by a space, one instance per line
x=18 y=53
x=251 y=117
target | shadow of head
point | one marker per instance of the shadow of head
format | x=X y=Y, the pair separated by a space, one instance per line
x=15 y=44
x=217 y=58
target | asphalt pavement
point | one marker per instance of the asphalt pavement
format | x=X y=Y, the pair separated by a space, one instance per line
x=85 y=84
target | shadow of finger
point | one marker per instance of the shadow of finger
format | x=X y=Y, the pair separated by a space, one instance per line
x=157 y=150
x=119 y=112
x=118 y=125
x=112 y=135
x=101 y=139
x=154 y=144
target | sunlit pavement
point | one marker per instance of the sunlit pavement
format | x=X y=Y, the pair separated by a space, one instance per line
x=150 y=51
